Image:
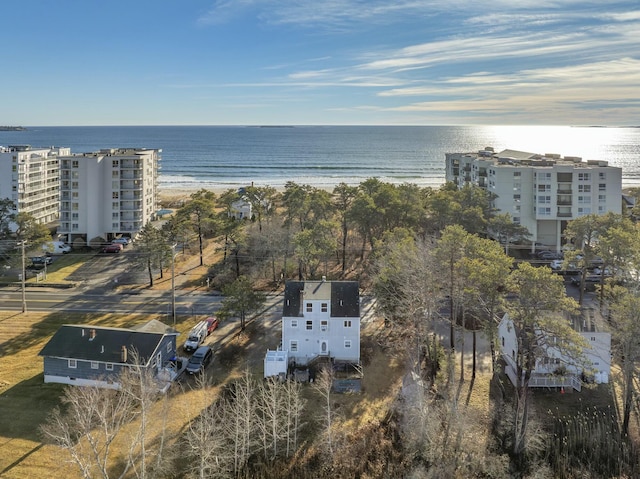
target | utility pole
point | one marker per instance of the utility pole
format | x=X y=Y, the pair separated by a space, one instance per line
x=173 y=283
x=24 y=292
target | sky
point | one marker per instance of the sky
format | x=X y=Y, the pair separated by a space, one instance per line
x=320 y=62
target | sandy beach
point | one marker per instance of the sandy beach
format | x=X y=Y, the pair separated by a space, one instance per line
x=176 y=197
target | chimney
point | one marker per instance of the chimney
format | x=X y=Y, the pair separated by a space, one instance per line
x=123 y=354
x=92 y=335
x=301 y=313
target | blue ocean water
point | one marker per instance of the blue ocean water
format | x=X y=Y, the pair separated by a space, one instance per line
x=323 y=156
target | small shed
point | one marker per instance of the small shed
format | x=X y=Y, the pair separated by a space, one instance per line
x=276 y=363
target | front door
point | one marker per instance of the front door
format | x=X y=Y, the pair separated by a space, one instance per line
x=324 y=347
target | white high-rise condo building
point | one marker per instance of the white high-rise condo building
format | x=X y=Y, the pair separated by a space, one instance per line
x=30 y=178
x=107 y=193
x=540 y=192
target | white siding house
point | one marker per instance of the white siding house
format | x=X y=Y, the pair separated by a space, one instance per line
x=321 y=318
x=597 y=355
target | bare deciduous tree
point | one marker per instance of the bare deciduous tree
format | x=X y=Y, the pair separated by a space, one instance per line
x=208 y=451
x=324 y=384
x=95 y=417
x=92 y=419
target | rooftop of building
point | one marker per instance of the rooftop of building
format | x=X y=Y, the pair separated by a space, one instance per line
x=518 y=158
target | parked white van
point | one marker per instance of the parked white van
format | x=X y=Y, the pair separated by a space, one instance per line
x=56 y=247
x=196 y=336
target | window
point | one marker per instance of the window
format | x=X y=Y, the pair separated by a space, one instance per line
x=115 y=215
x=74 y=216
x=324 y=325
x=109 y=366
x=593 y=338
x=516 y=208
x=72 y=363
x=115 y=174
x=94 y=365
x=74 y=164
x=115 y=163
x=115 y=195
x=115 y=185
x=543 y=188
x=115 y=205
x=584 y=211
x=293 y=346
x=516 y=220
x=347 y=343
x=323 y=307
x=544 y=211
x=74 y=226
x=294 y=323
x=75 y=206
x=544 y=199
x=74 y=185
x=584 y=188
x=516 y=186
x=544 y=176
x=602 y=187
x=516 y=198
x=115 y=226
x=309 y=307
x=309 y=325
x=503 y=341
x=74 y=195
x=584 y=176
x=169 y=347
x=584 y=200
x=347 y=323
x=517 y=174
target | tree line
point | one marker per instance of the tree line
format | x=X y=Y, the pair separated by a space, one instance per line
x=427 y=256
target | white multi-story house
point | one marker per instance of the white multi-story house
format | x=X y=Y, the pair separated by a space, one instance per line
x=553 y=369
x=321 y=318
x=107 y=193
x=30 y=177
x=540 y=192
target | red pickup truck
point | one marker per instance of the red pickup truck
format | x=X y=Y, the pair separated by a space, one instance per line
x=212 y=324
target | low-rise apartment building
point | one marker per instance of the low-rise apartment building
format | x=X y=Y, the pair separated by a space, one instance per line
x=30 y=177
x=107 y=193
x=540 y=192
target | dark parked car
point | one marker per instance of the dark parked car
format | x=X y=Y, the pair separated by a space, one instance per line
x=549 y=255
x=39 y=262
x=200 y=360
x=112 y=248
x=590 y=281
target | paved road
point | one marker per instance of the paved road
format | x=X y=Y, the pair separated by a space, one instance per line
x=78 y=300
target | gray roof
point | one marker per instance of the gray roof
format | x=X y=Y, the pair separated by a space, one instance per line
x=345 y=298
x=155 y=326
x=94 y=343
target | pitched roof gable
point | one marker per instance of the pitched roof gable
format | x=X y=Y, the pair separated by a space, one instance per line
x=345 y=297
x=94 y=343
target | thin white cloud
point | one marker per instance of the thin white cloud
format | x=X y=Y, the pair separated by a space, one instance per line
x=623 y=16
x=340 y=13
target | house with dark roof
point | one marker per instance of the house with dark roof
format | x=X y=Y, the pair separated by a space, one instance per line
x=94 y=355
x=321 y=318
